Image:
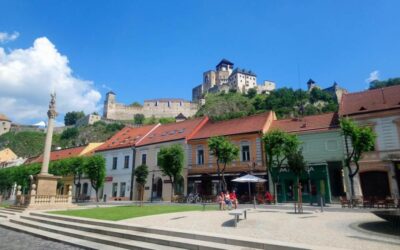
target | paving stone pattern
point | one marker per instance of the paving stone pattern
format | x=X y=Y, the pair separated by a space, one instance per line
x=12 y=240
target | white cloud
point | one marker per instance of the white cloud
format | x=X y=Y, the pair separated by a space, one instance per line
x=28 y=76
x=374 y=75
x=6 y=37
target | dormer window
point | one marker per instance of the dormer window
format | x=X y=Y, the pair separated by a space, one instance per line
x=362 y=108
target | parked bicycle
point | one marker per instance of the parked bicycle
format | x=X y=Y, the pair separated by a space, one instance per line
x=193 y=198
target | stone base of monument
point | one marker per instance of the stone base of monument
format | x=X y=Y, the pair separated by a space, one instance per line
x=43 y=195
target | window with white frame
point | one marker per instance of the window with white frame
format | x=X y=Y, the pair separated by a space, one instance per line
x=245 y=149
x=115 y=162
x=115 y=189
x=200 y=156
x=122 y=189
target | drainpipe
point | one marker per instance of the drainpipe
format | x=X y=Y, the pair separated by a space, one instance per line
x=133 y=172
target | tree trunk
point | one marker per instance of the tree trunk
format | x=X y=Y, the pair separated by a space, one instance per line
x=352 y=186
x=172 y=190
x=97 y=195
x=223 y=182
x=219 y=178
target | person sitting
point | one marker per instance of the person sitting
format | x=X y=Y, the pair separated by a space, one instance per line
x=221 y=201
x=268 y=197
x=234 y=199
x=228 y=200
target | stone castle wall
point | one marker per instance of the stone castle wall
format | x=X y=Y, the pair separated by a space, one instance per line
x=158 y=108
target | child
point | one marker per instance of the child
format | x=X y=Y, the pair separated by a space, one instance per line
x=233 y=198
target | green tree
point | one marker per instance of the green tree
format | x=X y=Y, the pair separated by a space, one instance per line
x=358 y=140
x=171 y=162
x=95 y=169
x=251 y=93
x=138 y=118
x=141 y=173
x=225 y=152
x=69 y=133
x=70 y=118
x=386 y=83
x=136 y=104
x=165 y=120
x=297 y=166
x=278 y=145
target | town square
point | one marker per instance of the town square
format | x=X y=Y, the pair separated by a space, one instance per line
x=116 y=133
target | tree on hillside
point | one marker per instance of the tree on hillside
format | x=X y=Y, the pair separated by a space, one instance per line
x=138 y=119
x=297 y=166
x=226 y=106
x=141 y=173
x=278 y=145
x=95 y=170
x=171 y=162
x=70 y=118
x=69 y=133
x=386 y=83
x=225 y=152
x=136 y=104
x=358 y=140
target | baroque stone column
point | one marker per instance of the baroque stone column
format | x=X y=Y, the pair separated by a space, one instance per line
x=47 y=183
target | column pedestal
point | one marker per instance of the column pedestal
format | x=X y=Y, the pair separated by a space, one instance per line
x=46 y=184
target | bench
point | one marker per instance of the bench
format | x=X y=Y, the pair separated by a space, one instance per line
x=237 y=212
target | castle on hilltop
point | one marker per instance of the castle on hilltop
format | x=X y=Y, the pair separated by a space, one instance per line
x=168 y=107
x=225 y=78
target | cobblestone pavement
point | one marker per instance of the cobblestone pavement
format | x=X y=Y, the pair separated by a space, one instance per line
x=12 y=240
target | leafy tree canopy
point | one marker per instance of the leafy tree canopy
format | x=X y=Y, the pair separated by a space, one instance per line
x=386 y=83
x=136 y=104
x=138 y=118
x=70 y=118
x=69 y=133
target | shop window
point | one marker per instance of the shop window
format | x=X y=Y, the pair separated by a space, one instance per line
x=115 y=190
x=122 y=189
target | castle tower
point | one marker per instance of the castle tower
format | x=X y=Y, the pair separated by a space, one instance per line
x=223 y=70
x=310 y=84
x=108 y=103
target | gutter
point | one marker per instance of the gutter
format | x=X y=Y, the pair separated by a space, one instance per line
x=133 y=172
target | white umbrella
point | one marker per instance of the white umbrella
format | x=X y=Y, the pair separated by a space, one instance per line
x=250 y=179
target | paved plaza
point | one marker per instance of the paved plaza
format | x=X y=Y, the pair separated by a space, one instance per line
x=327 y=229
x=12 y=240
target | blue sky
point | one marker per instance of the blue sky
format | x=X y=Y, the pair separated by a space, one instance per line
x=151 y=49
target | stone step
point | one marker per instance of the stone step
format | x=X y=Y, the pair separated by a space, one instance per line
x=163 y=240
x=207 y=237
x=3 y=211
x=89 y=236
x=22 y=208
x=57 y=237
x=11 y=209
x=3 y=216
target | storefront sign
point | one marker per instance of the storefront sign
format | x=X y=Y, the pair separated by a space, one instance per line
x=109 y=178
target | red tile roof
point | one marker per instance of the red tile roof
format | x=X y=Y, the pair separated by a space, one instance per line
x=370 y=101
x=174 y=131
x=249 y=124
x=62 y=154
x=127 y=137
x=310 y=123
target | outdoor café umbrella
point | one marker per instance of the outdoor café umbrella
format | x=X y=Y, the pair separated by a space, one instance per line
x=250 y=179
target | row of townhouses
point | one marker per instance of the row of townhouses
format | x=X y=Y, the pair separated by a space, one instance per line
x=322 y=145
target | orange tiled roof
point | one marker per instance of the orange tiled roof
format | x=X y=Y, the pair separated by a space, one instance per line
x=127 y=137
x=370 y=101
x=174 y=131
x=249 y=124
x=310 y=123
x=62 y=154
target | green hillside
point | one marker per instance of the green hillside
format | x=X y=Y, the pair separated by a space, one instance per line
x=29 y=143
